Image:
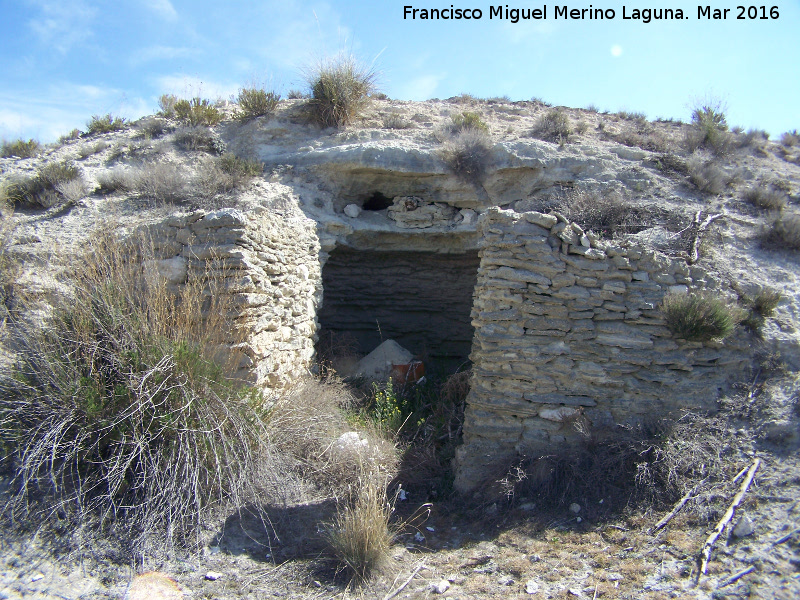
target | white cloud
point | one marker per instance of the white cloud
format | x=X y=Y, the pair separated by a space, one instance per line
x=163 y=8
x=157 y=53
x=186 y=86
x=62 y=24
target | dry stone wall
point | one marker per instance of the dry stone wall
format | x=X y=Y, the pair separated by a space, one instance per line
x=568 y=330
x=268 y=264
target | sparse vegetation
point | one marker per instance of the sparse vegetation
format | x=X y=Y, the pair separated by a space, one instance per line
x=766 y=197
x=784 y=232
x=760 y=307
x=710 y=130
x=467 y=120
x=87 y=150
x=105 y=124
x=553 y=126
x=20 y=148
x=361 y=535
x=700 y=317
x=340 y=89
x=257 y=102
x=164 y=183
x=229 y=173
x=72 y=135
x=199 y=139
x=468 y=154
x=9 y=265
x=42 y=188
x=394 y=121
x=790 y=138
x=605 y=214
x=707 y=176
x=152 y=128
x=118 y=413
x=196 y=112
x=166 y=104
x=116 y=179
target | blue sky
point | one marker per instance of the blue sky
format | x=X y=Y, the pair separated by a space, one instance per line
x=62 y=61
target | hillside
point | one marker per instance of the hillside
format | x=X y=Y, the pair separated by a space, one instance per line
x=423 y=179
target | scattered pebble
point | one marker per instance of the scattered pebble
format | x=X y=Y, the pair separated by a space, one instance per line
x=213 y=575
x=532 y=586
x=575 y=508
x=440 y=587
x=744 y=527
x=37 y=577
x=430 y=529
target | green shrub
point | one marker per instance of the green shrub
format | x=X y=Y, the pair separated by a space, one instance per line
x=119 y=415
x=699 y=317
x=396 y=122
x=340 y=89
x=42 y=188
x=468 y=154
x=20 y=148
x=257 y=102
x=767 y=197
x=784 y=232
x=105 y=124
x=710 y=130
x=297 y=95
x=553 y=126
x=197 y=111
x=72 y=135
x=467 y=120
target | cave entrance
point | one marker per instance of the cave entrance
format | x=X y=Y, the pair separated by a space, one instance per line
x=422 y=300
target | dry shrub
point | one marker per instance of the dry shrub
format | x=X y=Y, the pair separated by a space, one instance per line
x=42 y=188
x=229 y=173
x=710 y=130
x=20 y=148
x=784 y=232
x=87 y=150
x=340 y=90
x=553 y=126
x=199 y=138
x=162 y=182
x=117 y=412
x=394 y=121
x=116 y=179
x=197 y=112
x=760 y=306
x=646 y=465
x=766 y=197
x=468 y=154
x=790 y=138
x=670 y=163
x=9 y=264
x=467 y=120
x=707 y=176
x=105 y=124
x=306 y=427
x=606 y=214
x=361 y=534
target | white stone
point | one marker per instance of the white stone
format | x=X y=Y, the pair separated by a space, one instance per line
x=213 y=575
x=377 y=365
x=468 y=216
x=557 y=414
x=352 y=210
x=575 y=508
x=532 y=586
x=744 y=527
x=440 y=587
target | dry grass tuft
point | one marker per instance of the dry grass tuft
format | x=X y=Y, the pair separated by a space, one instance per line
x=707 y=176
x=784 y=232
x=553 y=126
x=766 y=197
x=468 y=154
x=161 y=182
x=257 y=102
x=361 y=534
x=340 y=90
x=117 y=412
x=43 y=188
x=20 y=148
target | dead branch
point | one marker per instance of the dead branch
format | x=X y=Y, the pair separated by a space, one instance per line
x=699 y=229
x=681 y=503
x=407 y=581
x=737 y=577
x=705 y=554
x=786 y=537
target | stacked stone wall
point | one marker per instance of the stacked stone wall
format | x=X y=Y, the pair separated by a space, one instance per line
x=568 y=330
x=268 y=265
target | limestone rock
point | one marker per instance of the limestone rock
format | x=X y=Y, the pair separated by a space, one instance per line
x=352 y=210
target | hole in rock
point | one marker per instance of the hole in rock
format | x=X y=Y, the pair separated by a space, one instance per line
x=421 y=300
x=377 y=202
